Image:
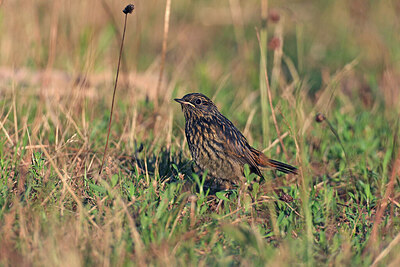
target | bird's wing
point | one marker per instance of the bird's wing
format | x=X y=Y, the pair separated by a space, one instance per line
x=236 y=145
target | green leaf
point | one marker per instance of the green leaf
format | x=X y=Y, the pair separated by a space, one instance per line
x=114 y=180
x=246 y=170
x=97 y=188
x=221 y=195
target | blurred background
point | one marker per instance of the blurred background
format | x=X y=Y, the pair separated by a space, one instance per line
x=60 y=57
x=211 y=44
x=321 y=56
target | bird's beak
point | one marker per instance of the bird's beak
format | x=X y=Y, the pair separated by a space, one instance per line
x=180 y=101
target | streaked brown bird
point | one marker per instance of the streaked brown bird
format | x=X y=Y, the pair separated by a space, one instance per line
x=218 y=146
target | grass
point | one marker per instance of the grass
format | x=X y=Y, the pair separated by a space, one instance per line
x=147 y=207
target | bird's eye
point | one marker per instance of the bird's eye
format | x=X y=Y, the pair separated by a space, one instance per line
x=198 y=101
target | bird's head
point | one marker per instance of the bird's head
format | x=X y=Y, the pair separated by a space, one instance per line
x=197 y=105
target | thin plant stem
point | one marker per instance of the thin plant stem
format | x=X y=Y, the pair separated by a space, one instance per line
x=164 y=48
x=262 y=36
x=269 y=98
x=126 y=11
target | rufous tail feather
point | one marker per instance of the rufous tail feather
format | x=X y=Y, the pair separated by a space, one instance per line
x=264 y=161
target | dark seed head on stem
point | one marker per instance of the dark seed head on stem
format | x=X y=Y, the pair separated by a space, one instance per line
x=128 y=9
x=319 y=117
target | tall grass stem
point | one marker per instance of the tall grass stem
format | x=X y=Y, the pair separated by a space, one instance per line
x=126 y=11
x=263 y=35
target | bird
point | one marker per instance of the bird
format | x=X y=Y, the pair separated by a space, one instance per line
x=217 y=146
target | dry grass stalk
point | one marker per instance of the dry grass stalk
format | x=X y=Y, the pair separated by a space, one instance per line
x=128 y=9
x=164 y=49
x=381 y=209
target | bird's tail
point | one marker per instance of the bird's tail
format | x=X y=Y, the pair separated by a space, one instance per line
x=283 y=167
x=264 y=161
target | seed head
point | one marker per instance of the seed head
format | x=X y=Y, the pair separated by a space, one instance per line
x=128 y=9
x=274 y=16
x=320 y=117
x=274 y=43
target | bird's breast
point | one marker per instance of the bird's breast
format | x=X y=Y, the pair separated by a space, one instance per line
x=207 y=147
